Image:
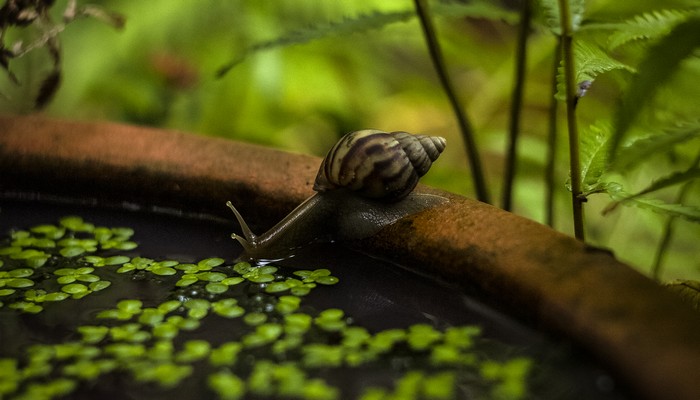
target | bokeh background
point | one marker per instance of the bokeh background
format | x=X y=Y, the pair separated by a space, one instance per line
x=160 y=70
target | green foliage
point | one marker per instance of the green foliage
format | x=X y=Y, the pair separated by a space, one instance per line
x=660 y=63
x=594 y=156
x=590 y=61
x=616 y=192
x=664 y=141
x=550 y=9
x=361 y=23
x=351 y=65
x=646 y=26
x=368 y=22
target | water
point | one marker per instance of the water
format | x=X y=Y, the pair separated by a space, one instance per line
x=374 y=294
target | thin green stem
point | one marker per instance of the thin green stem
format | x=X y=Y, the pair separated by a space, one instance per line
x=426 y=21
x=552 y=140
x=516 y=104
x=574 y=162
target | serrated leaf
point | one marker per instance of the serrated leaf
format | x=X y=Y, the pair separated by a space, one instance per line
x=371 y=21
x=670 y=180
x=641 y=149
x=590 y=61
x=553 y=17
x=357 y=24
x=659 y=64
x=649 y=25
x=594 y=155
x=689 y=213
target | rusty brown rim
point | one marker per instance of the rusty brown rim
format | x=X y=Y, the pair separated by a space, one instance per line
x=647 y=335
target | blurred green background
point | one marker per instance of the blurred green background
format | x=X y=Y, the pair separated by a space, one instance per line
x=160 y=70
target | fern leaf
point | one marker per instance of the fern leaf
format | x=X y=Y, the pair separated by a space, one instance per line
x=361 y=23
x=658 y=65
x=553 y=18
x=475 y=9
x=690 y=213
x=371 y=21
x=594 y=155
x=646 y=26
x=590 y=61
x=642 y=149
x=670 y=180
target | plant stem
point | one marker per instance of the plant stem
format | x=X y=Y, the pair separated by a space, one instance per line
x=516 y=104
x=426 y=21
x=552 y=140
x=571 y=99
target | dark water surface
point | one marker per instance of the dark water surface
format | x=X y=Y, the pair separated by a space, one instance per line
x=374 y=294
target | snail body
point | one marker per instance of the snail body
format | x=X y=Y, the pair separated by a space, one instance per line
x=364 y=184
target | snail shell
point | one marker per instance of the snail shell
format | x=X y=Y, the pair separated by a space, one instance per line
x=364 y=184
x=377 y=164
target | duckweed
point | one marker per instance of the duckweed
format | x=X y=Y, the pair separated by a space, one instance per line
x=276 y=337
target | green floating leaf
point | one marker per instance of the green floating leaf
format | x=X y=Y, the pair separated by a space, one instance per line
x=331 y=319
x=225 y=354
x=99 y=285
x=228 y=308
x=318 y=355
x=74 y=288
x=658 y=66
x=93 y=334
x=421 y=336
x=226 y=385
x=209 y=263
x=255 y=318
x=27 y=306
x=193 y=350
x=216 y=288
x=287 y=304
x=76 y=224
x=19 y=283
x=10 y=250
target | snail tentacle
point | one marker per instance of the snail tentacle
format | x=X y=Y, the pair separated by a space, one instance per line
x=248 y=238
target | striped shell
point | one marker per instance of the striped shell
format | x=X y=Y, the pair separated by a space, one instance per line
x=377 y=164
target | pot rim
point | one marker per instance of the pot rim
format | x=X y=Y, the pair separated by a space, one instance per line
x=647 y=335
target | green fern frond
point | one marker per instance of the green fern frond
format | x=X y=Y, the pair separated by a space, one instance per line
x=689 y=213
x=361 y=23
x=552 y=17
x=660 y=63
x=594 y=145
x=670 y=180
x=649 y=25
x=368 y=22
x=482 y=9
x=590 y=61
x=642 y=149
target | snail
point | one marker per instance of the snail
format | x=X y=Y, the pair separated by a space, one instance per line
x=364 y=184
